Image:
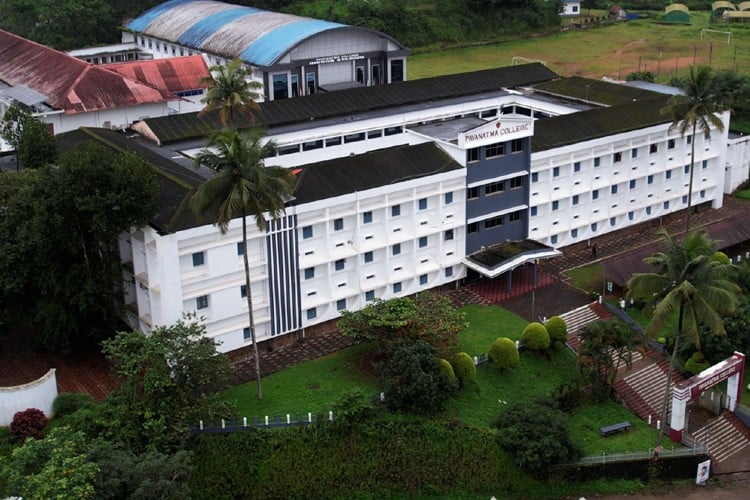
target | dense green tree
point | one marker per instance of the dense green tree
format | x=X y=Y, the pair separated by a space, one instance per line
x=699 y=108
x=38 y=147
x=242 y=186
x=427 y=317
x=12 y=127
x=231 y=92
x=169 y=380
x=689 y=282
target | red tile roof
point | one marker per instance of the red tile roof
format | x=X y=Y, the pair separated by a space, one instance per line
x=70 y=84
x=175 y=75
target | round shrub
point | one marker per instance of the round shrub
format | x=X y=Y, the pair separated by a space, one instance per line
x=67 y=403
x=28 y=423
x=445 y=365
x=721 y=257
x=504 y=354
x=696 y=364
x=535 y=337
x=557 y=329
x=463 y=367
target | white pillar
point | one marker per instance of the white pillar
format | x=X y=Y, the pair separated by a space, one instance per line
x=733 y=390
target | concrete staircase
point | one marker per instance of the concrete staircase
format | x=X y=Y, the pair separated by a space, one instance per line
x=725 y=436
x=643 y=391
x=578 y=318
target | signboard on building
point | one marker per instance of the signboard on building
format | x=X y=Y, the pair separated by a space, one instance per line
x=710 y=377
x=335 y=59
x=500 y=130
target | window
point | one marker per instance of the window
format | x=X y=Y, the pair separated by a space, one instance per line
x=597 y=161
x=532 y=211
x=472 y=155
x=516 y=182
x=594 y=227
x=687 y=169
x=472 y=193
x=553 y=239
x=632 y=184
x=333 y=141
x=423 y=203
x=243 y=291
x=493 y=222
x=684 y=199
x=535 y=177
x=650 y=179
x=240 y=247
x=368 y=257
x=595 y=194
x=516 y=146
x=653 y=148
x=574 y=233
x=448 y=272
x=556 y=172
x=422 y=241
x=575 y=199
x=514 y=216
x=670 y=144
x=201 y=302
x=473 y=227
x=689 y=140
x=341 y=304
x=309 y=273
x=448 y=235
x=338 y=224
x=396 y=249
x=666 y=205
x=199 y=258
x=312 y=313
x=577 y=166
x=423 y=279
x=246 y=333
x=648 y=210
x=367 y=217
x=668 y=174
x=704 y=164
x=613 y=189
x=448 y=198
x=617 y=157
x=374 y=134
x=395 y=210
x=494 y=187
x=631 y=215
x=613 y=221
x=634 y=153
x=397 y=287
x=369 y=295
x=354 y=137
x=394 y=130
x=339 y=264
x=703 y=193
x=494 y=150
x=555 y=205
x=309 y=146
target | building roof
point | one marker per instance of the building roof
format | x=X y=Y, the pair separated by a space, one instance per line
x=384 y=167
x=256 y=36
x=599 y=92
x=67 y=83
x=176 y=74
x=356 y=100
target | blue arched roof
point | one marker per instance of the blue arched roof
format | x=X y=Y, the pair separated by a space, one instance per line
x=257 y=37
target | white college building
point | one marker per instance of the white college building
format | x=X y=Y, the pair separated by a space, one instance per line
x=411 y=186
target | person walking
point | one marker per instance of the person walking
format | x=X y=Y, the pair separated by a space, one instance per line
x=593 y=251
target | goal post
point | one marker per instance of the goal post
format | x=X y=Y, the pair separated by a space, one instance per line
x=705 y=32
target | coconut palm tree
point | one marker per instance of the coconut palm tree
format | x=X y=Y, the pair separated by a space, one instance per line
x=230 y=91
x=242 y=186
x=698 y=108
x=688 y=281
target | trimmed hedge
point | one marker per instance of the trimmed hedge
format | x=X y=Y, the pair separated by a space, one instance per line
x=503 y=353
x=535 y=337
x=557 y=329
x=464 y=368
x=445 y=365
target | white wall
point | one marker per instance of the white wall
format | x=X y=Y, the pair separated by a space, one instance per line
x=737 y=165
x=39 y=394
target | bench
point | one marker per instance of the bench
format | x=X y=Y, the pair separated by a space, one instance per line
x=614 y=428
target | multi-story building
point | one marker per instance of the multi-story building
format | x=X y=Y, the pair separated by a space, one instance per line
x=415 y=185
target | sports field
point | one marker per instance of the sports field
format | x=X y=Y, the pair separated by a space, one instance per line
x=611 y=50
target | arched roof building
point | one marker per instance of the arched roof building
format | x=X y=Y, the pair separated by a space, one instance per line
x=291 y=55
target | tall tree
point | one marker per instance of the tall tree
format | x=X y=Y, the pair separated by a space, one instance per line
x=230 y=92
x=698 y=108
x=691 y=282
x=242 y=186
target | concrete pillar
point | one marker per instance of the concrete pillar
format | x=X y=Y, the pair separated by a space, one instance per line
x=677 y=426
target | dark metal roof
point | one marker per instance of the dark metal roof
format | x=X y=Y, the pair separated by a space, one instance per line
x=356 y=100
x=340 y=176
x=594 y=91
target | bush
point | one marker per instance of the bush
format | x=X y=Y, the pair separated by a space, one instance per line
x=67 y=403
x=721 y=258
x=28 y=423
x=504 y=353
x=464 y=368
x=696 y=364
x=445 y=365
x=557 y=329
x=535 y=337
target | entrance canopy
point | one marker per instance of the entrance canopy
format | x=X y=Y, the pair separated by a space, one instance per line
x=497 y=259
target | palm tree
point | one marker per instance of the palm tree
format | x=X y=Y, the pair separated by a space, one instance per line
x=242 y=186
x=690 y=281
x=230 y=91
x=699 y=107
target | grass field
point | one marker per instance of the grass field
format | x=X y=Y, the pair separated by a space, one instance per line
x=612 y=51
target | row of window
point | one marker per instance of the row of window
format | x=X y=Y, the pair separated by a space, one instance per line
x=494 y=187
x=494 y=150
x=495 y=221
x=338 y=140
x=164 y=47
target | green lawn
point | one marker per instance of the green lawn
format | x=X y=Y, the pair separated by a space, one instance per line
x=587 y=278
x=743 y=195
x=487 y=324
x=586 y=422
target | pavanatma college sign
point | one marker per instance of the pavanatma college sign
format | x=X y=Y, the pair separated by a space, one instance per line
x=335 y=59
x=503 y=129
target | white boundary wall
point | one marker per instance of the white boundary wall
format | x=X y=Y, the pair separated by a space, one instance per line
x=37 y=394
